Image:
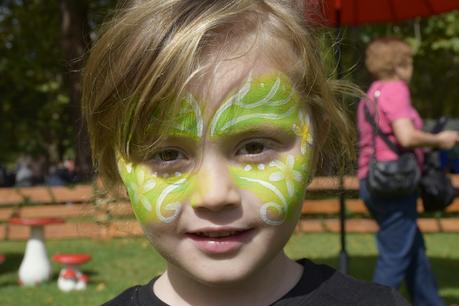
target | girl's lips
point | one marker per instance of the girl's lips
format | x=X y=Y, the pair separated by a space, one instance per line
x=220 y=242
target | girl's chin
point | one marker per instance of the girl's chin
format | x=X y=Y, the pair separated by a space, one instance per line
x=222 y=274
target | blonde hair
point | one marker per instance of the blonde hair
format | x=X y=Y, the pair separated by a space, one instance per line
x=151 y=50
x=385 y=54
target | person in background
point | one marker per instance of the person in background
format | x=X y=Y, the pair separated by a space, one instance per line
x=3 y=176
x=24 y=173
x=7 y=178
x=401 y=246
x=63 y=174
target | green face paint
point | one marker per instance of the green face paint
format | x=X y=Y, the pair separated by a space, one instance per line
x=160 y=198
x=154 y=197
x=279 y=184
x=303 y=129
x=189 y=120
x=267 y=99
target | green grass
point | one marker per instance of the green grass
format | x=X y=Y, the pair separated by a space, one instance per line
x=121 y=263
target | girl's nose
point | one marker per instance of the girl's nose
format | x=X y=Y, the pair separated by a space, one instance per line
x=215 y=188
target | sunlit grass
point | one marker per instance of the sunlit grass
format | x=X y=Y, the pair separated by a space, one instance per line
x=120 y=263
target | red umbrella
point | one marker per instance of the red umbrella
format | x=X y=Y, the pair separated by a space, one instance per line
x=356 y=12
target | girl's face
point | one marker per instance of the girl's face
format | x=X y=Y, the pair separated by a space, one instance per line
x=221 y=195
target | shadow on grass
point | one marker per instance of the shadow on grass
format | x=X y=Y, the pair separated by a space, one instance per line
x=446 y=271
x=12 y=263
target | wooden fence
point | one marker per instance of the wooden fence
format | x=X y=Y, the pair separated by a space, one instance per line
x=89 y=214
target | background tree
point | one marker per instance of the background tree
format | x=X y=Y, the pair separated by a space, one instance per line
x=43 y=45
x=42 y=48
x=32 y=98
x=435 y=41
x=75 y=41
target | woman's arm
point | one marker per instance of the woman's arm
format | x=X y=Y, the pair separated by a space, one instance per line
x=409 y=137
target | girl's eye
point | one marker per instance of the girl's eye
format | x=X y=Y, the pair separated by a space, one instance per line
x=257 y=151
x=170 y=160
x=251 y=148
x=168 y=155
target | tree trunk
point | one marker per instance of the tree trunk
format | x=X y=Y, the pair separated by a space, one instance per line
x=75 y=41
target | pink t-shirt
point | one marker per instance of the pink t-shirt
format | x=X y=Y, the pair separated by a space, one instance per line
x=394 y=103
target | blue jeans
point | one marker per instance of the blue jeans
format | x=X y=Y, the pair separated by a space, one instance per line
x=401 y=247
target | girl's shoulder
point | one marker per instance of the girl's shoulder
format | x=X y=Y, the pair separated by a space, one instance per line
x=323 y=285
x=319 y=285
x=136 y=296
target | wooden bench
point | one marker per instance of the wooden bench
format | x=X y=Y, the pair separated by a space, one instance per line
x=320 y=214
x=88 y=214
x=92 y=215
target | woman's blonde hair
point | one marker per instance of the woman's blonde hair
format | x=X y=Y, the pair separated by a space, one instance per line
x=385 y=54
x=151 y=50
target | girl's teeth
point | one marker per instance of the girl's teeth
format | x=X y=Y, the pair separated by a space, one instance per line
x=217 y=235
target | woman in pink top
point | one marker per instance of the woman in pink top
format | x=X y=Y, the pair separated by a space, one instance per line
x=400 y=243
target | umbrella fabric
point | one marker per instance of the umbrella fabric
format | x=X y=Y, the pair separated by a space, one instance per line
x=356 y=12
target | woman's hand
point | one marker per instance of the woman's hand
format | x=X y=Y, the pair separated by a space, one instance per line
x=447 y=139
x=409 y=137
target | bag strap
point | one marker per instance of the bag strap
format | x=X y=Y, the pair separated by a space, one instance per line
x=376 y=129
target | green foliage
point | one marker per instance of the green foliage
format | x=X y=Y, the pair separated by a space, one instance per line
x=435 y=42
x=34 y=114
x=435 y=85
x=34 y=103
x=32 y=98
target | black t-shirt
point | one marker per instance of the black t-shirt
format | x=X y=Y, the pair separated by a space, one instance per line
x=320 y=285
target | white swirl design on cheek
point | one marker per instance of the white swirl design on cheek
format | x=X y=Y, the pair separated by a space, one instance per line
x=175 y=206
x=288 y=174
x=282 y=209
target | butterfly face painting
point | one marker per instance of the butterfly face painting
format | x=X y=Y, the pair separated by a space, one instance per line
x=260 y=136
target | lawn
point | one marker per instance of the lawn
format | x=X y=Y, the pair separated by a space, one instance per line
x=120 y=263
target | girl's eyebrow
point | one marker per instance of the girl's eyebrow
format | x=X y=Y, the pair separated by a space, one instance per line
x=267 y=130
x=178 y=140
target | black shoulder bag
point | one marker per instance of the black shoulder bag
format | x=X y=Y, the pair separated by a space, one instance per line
x=437 y=191
x=393 y=178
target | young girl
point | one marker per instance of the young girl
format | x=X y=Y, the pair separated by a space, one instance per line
x=214 y=115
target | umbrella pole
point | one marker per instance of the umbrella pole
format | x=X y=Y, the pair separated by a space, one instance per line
x=343 y=256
